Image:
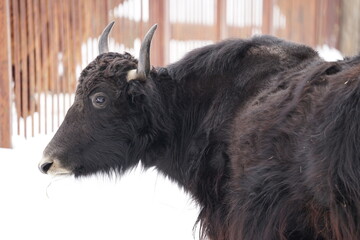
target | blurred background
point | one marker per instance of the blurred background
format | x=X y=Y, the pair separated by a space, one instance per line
x=44 y=44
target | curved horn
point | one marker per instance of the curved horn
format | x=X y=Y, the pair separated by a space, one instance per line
x=144 y=58
x=104 y=37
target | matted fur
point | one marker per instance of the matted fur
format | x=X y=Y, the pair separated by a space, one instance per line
x=263 y=133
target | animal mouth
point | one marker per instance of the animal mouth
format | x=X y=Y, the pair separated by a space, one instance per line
x=52 y=167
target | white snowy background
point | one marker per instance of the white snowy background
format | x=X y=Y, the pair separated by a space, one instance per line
x=141 y=205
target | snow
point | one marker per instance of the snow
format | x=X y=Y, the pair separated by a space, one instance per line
x=138 y=205
x=329 y=54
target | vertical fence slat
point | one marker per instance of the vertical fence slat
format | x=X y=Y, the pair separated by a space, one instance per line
x=31 y=44
x=24 y=65
x=38 y=63
x=156 y=15
x=122 y=25
x=93 y=27
x=166 y=32
x=86 y=26
x=45 y=60
x=78 y=39
x=5 y=75
x=74 y=48
x=52 y=61
x=67 y=48
x=220 y=22
x=62 y=84
x=267 y=16
x=57 y=59
x=16 y=59
x=330 y=24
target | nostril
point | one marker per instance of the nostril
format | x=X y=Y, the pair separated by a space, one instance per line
x=45 y=167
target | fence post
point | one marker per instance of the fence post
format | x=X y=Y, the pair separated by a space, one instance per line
x=5 y=76
x=220 y=22
x=350 y=27
x=267 y=17
x=158 y=13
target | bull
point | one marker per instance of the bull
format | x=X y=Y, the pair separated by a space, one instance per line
x=263 y=133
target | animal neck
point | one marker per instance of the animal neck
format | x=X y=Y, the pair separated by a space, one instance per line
x=185 y=149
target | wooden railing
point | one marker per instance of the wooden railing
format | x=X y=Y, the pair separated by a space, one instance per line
x=48 y=42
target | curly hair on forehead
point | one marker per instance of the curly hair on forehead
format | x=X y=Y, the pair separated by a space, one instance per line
x=110 y=67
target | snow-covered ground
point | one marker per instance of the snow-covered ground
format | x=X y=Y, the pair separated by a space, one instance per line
x=139 y=205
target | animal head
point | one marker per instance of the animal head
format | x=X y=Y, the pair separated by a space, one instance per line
x=100 y=128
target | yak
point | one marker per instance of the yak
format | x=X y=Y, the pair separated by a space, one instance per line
x=263 y=133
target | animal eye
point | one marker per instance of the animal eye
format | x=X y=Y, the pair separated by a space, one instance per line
x=99 y=100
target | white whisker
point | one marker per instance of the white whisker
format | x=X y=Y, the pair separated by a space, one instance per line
x=55 y=178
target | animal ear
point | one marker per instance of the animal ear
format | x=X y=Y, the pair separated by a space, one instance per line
x=104 y=39
x=143 y=69
x=140 y=91
x=136 y=91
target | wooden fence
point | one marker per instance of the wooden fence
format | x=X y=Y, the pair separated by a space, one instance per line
x=48 y=42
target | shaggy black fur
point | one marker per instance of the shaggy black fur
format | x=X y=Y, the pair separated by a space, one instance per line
x=263 y=133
